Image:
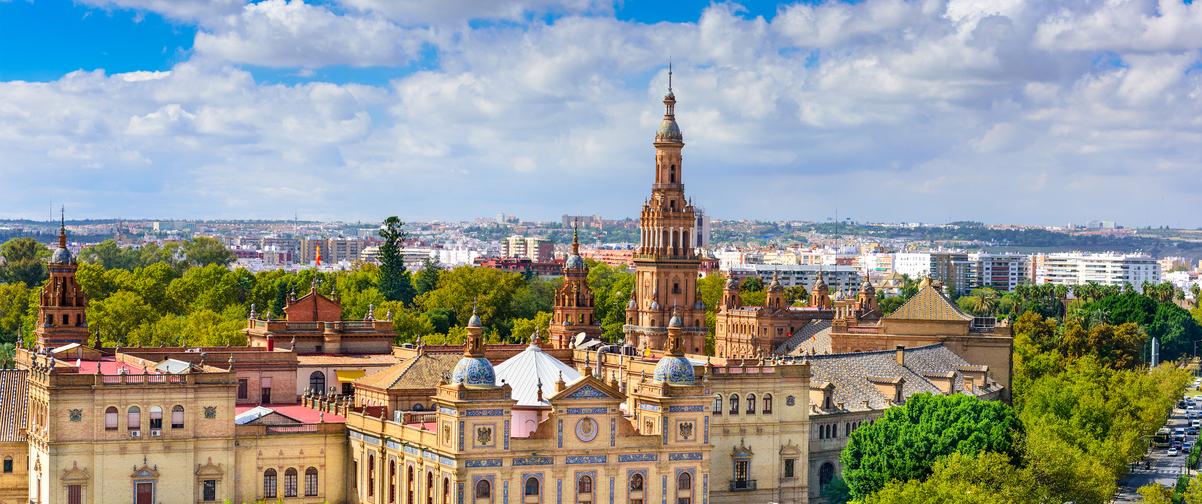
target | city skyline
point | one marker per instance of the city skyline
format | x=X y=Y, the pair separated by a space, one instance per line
x=911 y=112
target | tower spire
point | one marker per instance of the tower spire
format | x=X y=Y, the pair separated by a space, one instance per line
x=576 y=236
x=62 y=227
x=669 y=75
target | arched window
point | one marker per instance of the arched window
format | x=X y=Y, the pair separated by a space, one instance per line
x=483 y=489
x=371 y=475
x=717 y=404
x=767 y=403
x=391 y=481
x=156 y=418
x=636 y=483
x=446 y=491
x=684 y=481
x=177 y=417
x=584 y=485
x=531 y=486
x=409 y=484
x=317 y=382
x=290 y=482
x=110 y=418
x=826 y=474
x=750 y=404
x=269 y=484
x=133 y=418
x=430 y=488
x=734 y=404
x=311 y=482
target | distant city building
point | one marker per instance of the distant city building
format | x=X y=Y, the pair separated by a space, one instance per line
x=528 y=247
x=1076 y=268
x=521 y=265
x=593 y=221
x=622 y=258
x=1002 y=272
x=845 y=279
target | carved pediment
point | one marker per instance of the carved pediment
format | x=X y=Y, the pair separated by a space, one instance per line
x=146 y=472
x=588 y=388
x=210 y=469
x=75 y=475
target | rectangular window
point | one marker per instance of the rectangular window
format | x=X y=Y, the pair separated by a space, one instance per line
x=242 y=388
x=265 y=396
x=789 y=468
x=74 y=494
x=8 y=465
x=209 y=490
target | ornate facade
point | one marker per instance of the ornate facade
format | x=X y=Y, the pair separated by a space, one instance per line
x=665 y=261
x=474 y=447
x=574 y=309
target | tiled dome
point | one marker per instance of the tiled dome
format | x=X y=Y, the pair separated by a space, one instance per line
x=474 y=371
x=675 y=370
x=61 y=256
x=574 y=262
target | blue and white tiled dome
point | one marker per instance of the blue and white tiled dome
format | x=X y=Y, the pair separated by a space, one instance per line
x=61 y=256
x=675 y=370
x=574 y=262
x=474 y=371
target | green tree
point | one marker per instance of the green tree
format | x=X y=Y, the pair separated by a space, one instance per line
x=1176 y=330
x=426 y=279
x=116 y=317
x=24 y=261
x=907 y=440
x=983 y=478
x=611 y=289
x=751 y=284
x=14 y=305
x=524 y=327
x=796 y=294
x=394 y=279
x=205 y=251
x=110 y=255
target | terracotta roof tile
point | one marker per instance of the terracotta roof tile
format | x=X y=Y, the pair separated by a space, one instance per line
x=929 y=304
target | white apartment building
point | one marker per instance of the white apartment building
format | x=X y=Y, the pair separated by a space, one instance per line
x=913 y=264
x=529 y=247
x=1075 y=268
x=838 y=278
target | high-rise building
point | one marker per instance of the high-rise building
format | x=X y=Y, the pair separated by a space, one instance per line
x=528 y=247
x=666 y=261
x=1001 y=272
x=1075 y=268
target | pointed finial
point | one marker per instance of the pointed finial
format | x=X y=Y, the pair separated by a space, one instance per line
x=669 y=74
x=62 y=227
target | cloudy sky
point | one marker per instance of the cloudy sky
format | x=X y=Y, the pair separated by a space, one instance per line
x=1017 y=111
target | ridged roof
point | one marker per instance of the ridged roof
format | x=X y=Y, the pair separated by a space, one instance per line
x=929 y=304
x=523 y=372
x=422 y=372
x=13 y=405
x=852 y=374
x=816 y=335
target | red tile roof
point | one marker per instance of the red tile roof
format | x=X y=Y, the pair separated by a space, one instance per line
x=13 y=405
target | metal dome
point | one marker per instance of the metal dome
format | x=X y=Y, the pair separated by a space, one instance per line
x=61 y=256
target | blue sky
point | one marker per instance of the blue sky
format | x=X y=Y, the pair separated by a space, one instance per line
x=920 y=110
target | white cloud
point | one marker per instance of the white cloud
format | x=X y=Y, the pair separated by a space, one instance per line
x=891 y=110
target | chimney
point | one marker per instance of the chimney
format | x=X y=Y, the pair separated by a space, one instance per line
x=901 y=355
x=270 y=343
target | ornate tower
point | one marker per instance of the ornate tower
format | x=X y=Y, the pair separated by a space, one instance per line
x=61 y=312
x=573 y=312
x=665 y=261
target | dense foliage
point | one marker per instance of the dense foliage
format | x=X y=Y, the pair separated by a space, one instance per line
x=907 y=440
x=185 y=293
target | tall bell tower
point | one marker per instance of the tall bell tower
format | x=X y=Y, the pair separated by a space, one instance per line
x=665 y=261
x=62 y=305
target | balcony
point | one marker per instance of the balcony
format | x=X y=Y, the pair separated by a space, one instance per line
x=742 y=485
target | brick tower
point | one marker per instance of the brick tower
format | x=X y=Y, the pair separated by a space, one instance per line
x=665 y=261
x=573 y=302
x=61 y=311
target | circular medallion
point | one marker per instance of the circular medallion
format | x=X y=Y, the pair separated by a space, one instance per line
x=586 y=429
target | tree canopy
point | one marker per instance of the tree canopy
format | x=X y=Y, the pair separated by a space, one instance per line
x=907 y=440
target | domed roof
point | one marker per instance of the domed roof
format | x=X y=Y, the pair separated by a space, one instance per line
x=474 y=371
x=675 y=321
x=574 y=262
x=530 y=369
x=61 y=256
x=866 y=286
x=632 y=304
x=819 y=283
x=669 y=130
x=775 y=285
x=674 y=370
x=475 y=320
